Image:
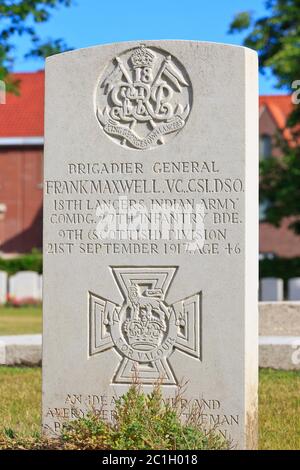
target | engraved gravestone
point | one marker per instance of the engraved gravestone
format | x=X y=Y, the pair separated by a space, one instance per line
x=271 y=289
x=3 y=287
x=150 y=231
x=294 y=289
x=24 y=285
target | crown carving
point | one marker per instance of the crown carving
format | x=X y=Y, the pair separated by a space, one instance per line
x=142 y=57
x=144 y=335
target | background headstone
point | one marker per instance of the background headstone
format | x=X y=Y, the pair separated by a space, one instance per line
x=3 y=287
x=40 y=287
x=294 y=288
x=271 y=289
x=24 y=285
x=169 y=293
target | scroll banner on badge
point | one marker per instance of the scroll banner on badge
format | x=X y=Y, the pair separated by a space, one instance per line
x=164 y=128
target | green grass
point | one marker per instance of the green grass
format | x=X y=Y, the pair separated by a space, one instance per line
x=20 y=399
x=279 y=410
x=20 y=321
x=279 y=405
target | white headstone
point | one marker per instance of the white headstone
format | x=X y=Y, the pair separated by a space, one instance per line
x=41 y=287
x=24 y=285
x=3 y=287
x=271 y=289
x=294 y=289
x=151 y=221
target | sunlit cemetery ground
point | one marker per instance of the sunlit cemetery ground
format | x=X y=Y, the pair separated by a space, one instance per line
x=20 y=392
x=20 y=321
x=279 y=405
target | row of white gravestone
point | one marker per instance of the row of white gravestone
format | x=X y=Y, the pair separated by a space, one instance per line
x=272 y=289
x=21 y=286
x=28 y=285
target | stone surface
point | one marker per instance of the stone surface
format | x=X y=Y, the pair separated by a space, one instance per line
x=23 y=350
x=279 y=352
x=271 y=289
x=294 y=289
x=170 y=127
x=3 y=287
x=24 y=285
x=279 y=318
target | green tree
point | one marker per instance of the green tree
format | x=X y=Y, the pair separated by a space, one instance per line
x=276 y=37
x=20 y=18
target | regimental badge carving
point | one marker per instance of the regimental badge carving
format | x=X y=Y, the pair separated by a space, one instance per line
x=143 y=98
x=145 y=330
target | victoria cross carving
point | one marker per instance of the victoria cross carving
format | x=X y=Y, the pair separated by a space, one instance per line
x=145 y=330
x=143 y=98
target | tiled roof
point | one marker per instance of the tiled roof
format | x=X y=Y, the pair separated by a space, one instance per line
x=280 y=107
x=23 y=115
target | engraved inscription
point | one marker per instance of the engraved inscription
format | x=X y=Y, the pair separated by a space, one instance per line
x=145 y=330
x=162 y=207
x=143 y=98
x=210 y=411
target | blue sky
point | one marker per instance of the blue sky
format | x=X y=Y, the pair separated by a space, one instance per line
x=91 y=22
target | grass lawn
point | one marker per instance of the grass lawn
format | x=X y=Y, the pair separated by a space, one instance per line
x=20 y=321
x=20 y=399
x=279 y=405
x=279 y=410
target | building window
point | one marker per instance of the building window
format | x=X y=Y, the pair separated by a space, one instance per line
x=265 y=146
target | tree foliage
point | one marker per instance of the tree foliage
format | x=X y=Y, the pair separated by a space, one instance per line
x=276 y=37
x=280 y=188
x=20 y=18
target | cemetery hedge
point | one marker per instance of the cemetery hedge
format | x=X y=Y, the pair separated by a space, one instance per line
x=30 y=262
x=282 y=268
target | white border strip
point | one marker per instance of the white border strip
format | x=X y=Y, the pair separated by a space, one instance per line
x=293 y=341
x=11 y=141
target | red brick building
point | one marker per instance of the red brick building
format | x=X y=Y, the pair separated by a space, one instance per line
x=21 y=165
x=274 y=111
x=21 y=168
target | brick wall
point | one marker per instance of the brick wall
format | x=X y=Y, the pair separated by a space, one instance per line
x=21 y=192
x=280 y=241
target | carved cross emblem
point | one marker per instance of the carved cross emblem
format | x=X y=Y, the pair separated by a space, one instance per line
x=144 y=96
x=145 y=331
